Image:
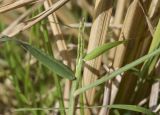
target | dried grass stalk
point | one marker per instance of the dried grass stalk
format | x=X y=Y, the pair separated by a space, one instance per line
x=17 y=4
x=11 y=27
x=62 y=47
x=102 y=15
x=133 y=30
x=120 y=14
x=106 y=99
x=29 y=23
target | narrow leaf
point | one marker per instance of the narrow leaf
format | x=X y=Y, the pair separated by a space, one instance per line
x=132 y=108
x=101 y=49
x=117 y=72
x=114 y=106
x=53 y=64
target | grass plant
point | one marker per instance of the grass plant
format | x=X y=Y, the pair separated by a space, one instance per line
x=70 y=57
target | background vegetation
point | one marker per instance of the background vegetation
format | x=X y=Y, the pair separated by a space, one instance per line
x=79 y=57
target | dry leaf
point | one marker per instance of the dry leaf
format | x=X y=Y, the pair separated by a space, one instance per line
x=29 y=23
x=17 y=4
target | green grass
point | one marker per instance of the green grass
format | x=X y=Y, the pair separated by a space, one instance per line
x=32 y=63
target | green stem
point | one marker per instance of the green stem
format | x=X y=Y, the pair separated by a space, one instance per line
x=78 y=74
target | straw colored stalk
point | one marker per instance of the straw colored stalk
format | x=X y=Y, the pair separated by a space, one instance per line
x=61 y=46
x=106 y=99
x=11 y=27
x=17 y=4
x=154 y=95
x=107 y=94
x=153 y=9
x=118 y=20
x=155 y=86
x=29 y=23
x=6 y=1
x=145 y=86
x=12 y=24
x=148 y=69
x=102 y=15
x=133 y=30
x=155 y=4
x=120 y=13
x=121 y=7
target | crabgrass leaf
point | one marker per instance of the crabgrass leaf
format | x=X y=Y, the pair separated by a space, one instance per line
x=53 y=64
x=132 y=108
x=101 y=49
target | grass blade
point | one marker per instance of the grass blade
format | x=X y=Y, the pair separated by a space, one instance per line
x=117 y=72
x=114 y=106
x=132 y=108
x=101 y=49
x=53 y=64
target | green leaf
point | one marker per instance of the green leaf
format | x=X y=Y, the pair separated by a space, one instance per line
x=54 y=65
x=132 y=108
x=117 y=72
x=149 y=65
x=114 y=106
x=101 y=49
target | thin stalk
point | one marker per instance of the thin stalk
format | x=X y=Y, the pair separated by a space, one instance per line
x=133 y=32
x=117 y=72
x=81 y=98
x=99 y=31
x=78 y=74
